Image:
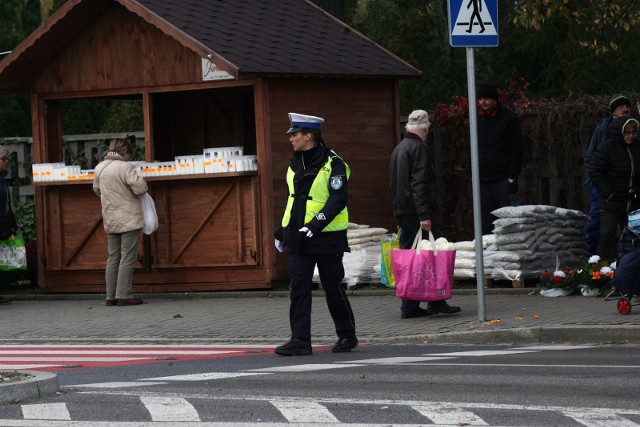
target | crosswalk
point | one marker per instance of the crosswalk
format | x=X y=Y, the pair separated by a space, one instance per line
x=64 y=357
x=148 y=406
x=151 y=408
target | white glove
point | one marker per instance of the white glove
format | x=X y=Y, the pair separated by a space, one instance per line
x=306 y=230
x=279 y=245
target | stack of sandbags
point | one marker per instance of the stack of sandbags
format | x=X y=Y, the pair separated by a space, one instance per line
x=362 y=264
x=533 y=238
x=527 y=241
x=465 y=266
x=362 y=236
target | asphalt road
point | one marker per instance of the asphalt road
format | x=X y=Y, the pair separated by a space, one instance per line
x=495 y=385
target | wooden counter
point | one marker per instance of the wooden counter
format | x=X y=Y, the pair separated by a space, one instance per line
x=208 y=236
x=153 y=178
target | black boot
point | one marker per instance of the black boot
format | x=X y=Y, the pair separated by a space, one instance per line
x=345 y=344
x=294 y=347
x=442 y=307
x=416 y=312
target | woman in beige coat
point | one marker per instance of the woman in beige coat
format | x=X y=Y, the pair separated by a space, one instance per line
x=120 y=187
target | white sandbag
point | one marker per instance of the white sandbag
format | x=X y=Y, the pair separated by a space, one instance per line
x=464 y=273
x=464 y=246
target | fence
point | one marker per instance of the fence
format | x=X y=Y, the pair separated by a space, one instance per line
x=556 y=136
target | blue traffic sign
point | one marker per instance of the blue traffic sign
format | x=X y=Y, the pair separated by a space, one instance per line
x=473 y=23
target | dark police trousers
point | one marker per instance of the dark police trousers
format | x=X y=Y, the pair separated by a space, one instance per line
x=331 y=273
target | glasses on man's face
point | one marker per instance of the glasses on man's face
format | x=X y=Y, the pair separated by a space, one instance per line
x=631 y=133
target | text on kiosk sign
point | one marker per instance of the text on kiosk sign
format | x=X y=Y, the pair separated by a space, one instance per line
x=210 y=71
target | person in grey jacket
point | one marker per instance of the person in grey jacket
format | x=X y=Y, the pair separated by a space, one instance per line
x=120 y=187
x=413 y=198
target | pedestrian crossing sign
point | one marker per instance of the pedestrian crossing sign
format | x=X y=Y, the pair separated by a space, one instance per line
x=473 y=23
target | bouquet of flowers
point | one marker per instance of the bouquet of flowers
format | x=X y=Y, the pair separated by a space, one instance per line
x=593 y=278
x=563 y=279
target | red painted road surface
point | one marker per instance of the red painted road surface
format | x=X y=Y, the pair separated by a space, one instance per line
x=65 y=357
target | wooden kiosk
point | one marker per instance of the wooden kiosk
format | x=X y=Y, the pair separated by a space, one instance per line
x=206 y=74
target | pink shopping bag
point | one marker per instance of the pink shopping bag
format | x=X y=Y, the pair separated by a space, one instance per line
x=423 y=275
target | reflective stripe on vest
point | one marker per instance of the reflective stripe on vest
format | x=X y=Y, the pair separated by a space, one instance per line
x=318 y=196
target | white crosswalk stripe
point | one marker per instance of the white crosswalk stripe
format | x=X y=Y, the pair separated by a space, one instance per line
x=483 y=353
x=309 y=367
x=399 y=360
x=119 y=384
x=449 y=415
x=46 y=411
x=203 y=376
x=170 y=409
x=591 y=418
x=304 y=411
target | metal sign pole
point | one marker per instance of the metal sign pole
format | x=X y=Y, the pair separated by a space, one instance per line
x=475 y=182
x=474 y=24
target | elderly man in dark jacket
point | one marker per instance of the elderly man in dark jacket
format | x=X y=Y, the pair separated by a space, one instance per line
x=413 y=196
x=613 y=170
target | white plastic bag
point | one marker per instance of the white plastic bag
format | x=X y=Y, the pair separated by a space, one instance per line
x=589 y=292
x=149 y=213
x=556 y=292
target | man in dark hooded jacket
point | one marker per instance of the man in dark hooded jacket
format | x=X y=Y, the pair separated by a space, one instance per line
x=619 y=105
x=614 y=172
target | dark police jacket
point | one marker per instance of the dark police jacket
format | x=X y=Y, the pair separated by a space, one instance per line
x=305 y=165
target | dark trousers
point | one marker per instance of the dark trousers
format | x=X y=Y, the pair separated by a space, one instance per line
x=331 y=273
x=409 y=226
x=592 y=229
x=610 y=223
x=627 y=277
x=493 y=195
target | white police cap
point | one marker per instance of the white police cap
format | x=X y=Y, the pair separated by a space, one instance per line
x=303 y=121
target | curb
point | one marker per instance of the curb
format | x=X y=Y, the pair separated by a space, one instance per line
x=600 y=335
x=39 y=384
x=592 y=335
x=254 y=294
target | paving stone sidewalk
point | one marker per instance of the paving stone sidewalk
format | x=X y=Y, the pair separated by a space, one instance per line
x=511 y=315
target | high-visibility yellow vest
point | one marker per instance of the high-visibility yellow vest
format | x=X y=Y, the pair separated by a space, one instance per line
x=318 y=196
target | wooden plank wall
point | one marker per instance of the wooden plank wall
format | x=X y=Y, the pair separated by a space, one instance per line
x=117 y=43
x=360 y=125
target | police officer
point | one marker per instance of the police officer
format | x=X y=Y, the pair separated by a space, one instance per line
x=313 y=231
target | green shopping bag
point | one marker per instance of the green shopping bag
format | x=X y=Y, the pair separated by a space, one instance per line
x=389 y=242
x=13 y=254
